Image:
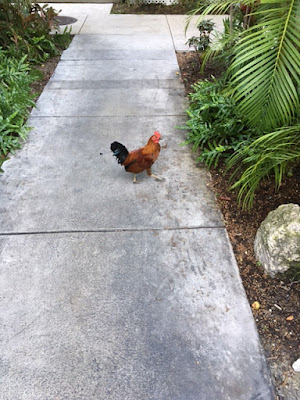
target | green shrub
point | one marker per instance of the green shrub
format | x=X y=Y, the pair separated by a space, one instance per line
x=15 y=99
x=25 y=41
x=271 y=155
x=263 y=64
x=213 y=125
x=202 y=42
x=25 y=29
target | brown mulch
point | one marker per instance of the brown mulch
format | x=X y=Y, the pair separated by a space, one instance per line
x=277 y=318
x=46 y=69
x=190 y=68
x=124 y=8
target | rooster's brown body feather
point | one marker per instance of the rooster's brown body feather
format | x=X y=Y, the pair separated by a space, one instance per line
x=139 y=160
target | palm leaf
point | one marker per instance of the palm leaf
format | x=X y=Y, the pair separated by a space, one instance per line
x=216 y=7
x=265 y=70
x=271 y=153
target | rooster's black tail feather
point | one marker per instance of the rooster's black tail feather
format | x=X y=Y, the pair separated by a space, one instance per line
x=120 y=151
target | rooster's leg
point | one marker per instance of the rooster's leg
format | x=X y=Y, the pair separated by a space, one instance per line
x=154 y=176
x=134 y=178
x=158 y=178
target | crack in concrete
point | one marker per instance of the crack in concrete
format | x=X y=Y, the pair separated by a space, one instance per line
x=111 y=230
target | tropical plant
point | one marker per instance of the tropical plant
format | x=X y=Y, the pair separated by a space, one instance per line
x=221 y=47
x=264 y=82
x=15 y=98
x=22 y=3
x=274 y=153
x=25 y=40
x=202 y=42
x=213 y=125
x=266 y=66
x=25 y=29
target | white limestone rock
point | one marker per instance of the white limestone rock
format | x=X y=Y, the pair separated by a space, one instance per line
x=296 y=365
x=277 y=241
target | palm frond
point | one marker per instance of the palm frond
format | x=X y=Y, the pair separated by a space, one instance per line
x=216 y=7
x=271 y=153
x=266 y=66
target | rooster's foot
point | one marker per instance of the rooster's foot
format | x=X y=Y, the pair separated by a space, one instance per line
x=157 y=178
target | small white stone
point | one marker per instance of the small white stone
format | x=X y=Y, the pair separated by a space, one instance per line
x=296 y=365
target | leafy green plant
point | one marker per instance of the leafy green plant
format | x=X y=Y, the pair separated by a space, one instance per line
x=26 y=40
x=265 y=69
x=23 y=4
x=15 y=98
x=263 y=80
x=12 y=133
x=269 y=155
x=202 y=42
x=62 y=40
x=213 y=125
x=221 y=48
x=25 y=29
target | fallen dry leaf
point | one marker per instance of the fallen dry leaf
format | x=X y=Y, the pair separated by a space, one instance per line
x=225 y=198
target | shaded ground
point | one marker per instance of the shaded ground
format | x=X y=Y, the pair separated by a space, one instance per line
x=278 y=318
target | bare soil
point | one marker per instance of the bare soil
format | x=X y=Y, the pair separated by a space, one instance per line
x=124 y=8
x=191 y=71
x=277 y=318
x=46 y=69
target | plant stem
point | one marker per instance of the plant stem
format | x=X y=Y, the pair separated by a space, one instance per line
x=231 y=19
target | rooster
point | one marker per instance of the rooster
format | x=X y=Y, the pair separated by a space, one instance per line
x=139 y=160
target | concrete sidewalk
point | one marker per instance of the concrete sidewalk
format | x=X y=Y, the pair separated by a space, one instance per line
x=91 y=19
x=109 y=290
